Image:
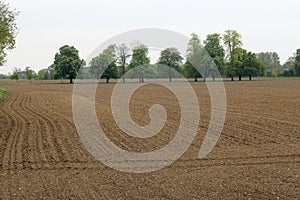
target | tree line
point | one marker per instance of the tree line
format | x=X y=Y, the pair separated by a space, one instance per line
x=221 y=52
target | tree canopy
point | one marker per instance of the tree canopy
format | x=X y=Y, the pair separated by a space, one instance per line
x=193 y=57
x=8 y=30
x=171 y=58
x=232 y=40
x=213 y=46
x=272 y=62
x=67 y=63
x=104 y=65
x=140 y=59
x=297 y=63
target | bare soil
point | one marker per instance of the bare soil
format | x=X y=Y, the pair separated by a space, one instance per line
x=257 y=156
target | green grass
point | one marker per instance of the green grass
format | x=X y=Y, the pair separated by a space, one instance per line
x=3 y=93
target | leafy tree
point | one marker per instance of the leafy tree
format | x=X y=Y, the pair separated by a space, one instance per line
x=213 y=46
x=232 y=40
x=30 y=75
x=67 y=63
x=297 y=63
x=171 y=58
x=271 y=60
x=190 y=71
x=252 y=66
x=105 y=64
x=140 y=58
x=51 y=72
x=194 y=55
x=290 y=64
x=123 y=54
x=15 y=75
x=8 y=30
x=42 y=74
x=239 y=56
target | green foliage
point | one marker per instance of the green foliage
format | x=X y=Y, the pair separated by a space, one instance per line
x=272 y=62
x=8 y=30
x=123 y=54
x=105 y=64
x=289 y=66
x=67 y=63
x=243 y=63
x=3 y=93
x=194 y=62
x=213 y=46
x=15 y=75
x=171 y=58
x=232 y=40
x=252 y=66
x=297 y=63
x=140 y=58
x=190 y=71
x=30 y=75
x=43 y=74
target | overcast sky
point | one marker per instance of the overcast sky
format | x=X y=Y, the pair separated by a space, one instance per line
x=47 y=25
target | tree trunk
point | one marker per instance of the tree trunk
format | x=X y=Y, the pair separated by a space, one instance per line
x=107 y=80
x=232 y=78
x=123 y=74
x=250 y=77
x=170 y=78
x=204 y=79
x=240 y=78
x=71 y=80
x=214 y=79
x=196 y=80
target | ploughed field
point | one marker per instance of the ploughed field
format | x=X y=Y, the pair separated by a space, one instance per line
x=257 y=156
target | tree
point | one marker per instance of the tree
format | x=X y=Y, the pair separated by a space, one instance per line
x=67 y=63
x=140 y=58
x=271 y=60
x=51 y=72
x=213 y=46
x=239 y=56
x=105 y=64
x=232 y=40
x=42 y=74
x=123 y=54
x=8 y=30
x=30 y=75
x=297 y=63
x=172 y=58
x=252 y=66
x=15 y=75
x=193 y=50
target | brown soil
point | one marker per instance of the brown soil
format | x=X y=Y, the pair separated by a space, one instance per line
x=257 y=156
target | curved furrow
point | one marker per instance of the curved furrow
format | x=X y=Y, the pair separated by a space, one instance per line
x=17 y=127
x=45 y=148
x=46 y=130
x=16 y=154
x=34 y=137
x=64 y=126
x=7 y=137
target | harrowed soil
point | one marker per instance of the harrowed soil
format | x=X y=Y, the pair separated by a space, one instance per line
x=257 y=156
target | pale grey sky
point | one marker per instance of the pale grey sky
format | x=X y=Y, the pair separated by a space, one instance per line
x=47 y=25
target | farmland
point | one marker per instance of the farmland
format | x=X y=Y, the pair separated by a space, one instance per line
x=257 y=156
